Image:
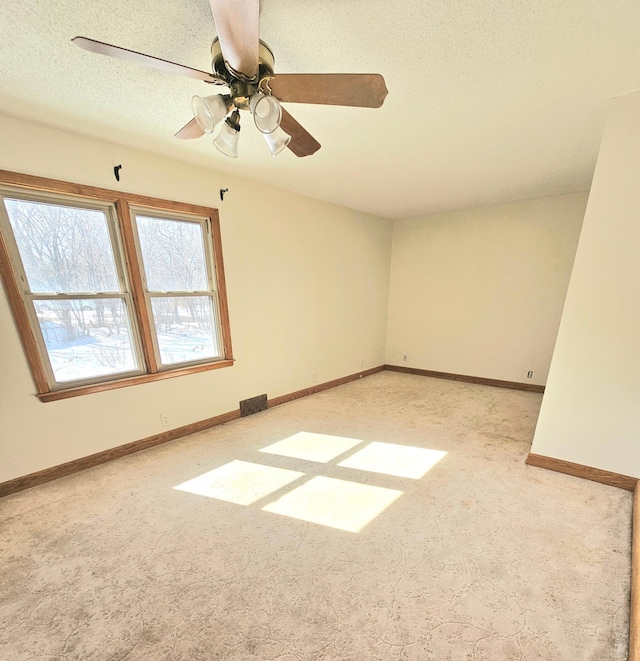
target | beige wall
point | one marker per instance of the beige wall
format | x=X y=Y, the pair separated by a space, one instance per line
x=307 y=284
x=591 y=409
x=480 y=291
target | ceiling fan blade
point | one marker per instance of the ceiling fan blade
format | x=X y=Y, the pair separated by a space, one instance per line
x=302 y=142
x=190 y=131
x=365 y=90
x=141 y=58
x=238 y=24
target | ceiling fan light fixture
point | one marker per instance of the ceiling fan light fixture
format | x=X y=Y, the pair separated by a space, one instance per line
x=266 y=112
x=277 y=140
x=209 y=111
x=227 y=140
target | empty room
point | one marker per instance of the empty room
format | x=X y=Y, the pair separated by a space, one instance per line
x=318 y=331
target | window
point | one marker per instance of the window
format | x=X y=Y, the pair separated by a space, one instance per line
x=179 y=287
x=110 y=289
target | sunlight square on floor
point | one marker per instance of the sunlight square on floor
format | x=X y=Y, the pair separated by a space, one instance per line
x=348 y=506
x=392 y=459
x=240 y=482
x=312 y=447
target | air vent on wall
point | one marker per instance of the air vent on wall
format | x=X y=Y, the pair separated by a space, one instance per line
x=253 y=405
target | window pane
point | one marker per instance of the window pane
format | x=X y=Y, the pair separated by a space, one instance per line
x=184 y=328
x=173 y=254
x=86 y=338
x=63 y=249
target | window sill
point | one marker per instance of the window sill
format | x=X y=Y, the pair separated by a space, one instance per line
x=55 y=395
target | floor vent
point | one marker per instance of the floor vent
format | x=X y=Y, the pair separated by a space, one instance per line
x=253 y=405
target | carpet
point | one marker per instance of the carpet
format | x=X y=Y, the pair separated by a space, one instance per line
x=389 y=518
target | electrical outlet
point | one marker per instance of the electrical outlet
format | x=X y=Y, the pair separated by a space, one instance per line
x=362 y=363
x=313 y=378
x=530 y=374
x=404 y=358
x=164 y=420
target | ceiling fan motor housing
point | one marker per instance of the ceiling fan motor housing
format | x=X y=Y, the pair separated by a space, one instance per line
x=266 y=63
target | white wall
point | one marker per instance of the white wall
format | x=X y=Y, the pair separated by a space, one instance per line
x=591 y=409
x=479 y=292
x=307 y=284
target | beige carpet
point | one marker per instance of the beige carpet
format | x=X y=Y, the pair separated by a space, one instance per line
x=432 y=540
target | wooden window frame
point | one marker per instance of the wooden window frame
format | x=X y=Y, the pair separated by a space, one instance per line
x=211 y=292
x=131 y=264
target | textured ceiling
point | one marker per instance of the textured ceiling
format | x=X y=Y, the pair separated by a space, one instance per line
x=489 y=100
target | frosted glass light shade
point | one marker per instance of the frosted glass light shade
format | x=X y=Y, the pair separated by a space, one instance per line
x=209 y=111
x=266 y=112
x=227 y=141
x=277 y=140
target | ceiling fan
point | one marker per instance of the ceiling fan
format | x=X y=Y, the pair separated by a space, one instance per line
x=245 y=65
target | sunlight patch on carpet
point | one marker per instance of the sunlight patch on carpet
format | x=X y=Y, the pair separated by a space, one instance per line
x=336 y=503
x=312 y=447
x=348 y=506
x=240 y=482
x=392 y=459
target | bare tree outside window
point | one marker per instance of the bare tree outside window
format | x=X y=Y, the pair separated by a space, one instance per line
x=179 y=288
x=111 y=289
x=68 y=260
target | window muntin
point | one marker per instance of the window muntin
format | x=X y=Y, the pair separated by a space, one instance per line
x=124 y=314
x=178 y=276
